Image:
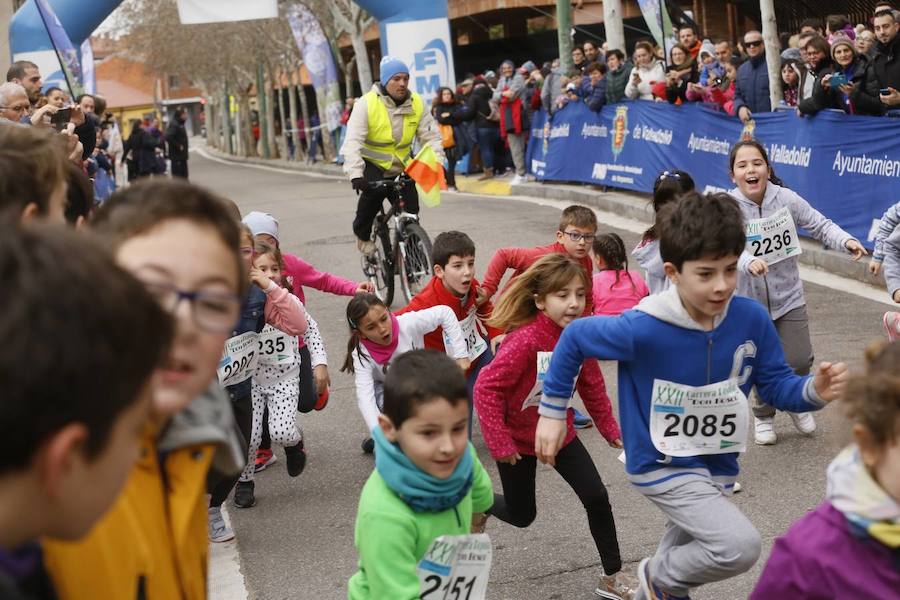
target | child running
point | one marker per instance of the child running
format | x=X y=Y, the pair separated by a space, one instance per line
x=887 y=251
x=427 y=481
x=153 y=541
x=668 y=186
x=848 y=546
x=377 y=337
x=616 y=289
x=264 y=302
x=768 y=268
x=276 y=385
x=576 y=232
x=69 y=438
x=454 y=285
x=687 y=358
x=314 y=377
x=536 y=309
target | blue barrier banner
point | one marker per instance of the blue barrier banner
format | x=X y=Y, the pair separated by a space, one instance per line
x=847 y=167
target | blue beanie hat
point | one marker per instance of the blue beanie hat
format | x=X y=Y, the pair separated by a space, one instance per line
x=390 y=66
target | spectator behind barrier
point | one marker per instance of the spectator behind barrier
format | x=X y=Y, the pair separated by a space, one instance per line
x=751 y=90
x=719 y=91
x=858 y=96
x=887 y=56
x=791 y=72
x=32 y=174
x=593 y=88
x=647 y=71
x=618 y=72
x=683 y=70
x=687 y=37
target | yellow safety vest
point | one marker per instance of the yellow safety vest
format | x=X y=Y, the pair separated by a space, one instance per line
x=380 y=147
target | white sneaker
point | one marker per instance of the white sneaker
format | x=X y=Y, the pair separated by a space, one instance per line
x=219 y=531
x=804 y=422
x=738 y=488
x=517 y=180
x=366 y=247
x=765 y=431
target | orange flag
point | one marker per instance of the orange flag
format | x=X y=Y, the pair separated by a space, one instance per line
x=428 y=173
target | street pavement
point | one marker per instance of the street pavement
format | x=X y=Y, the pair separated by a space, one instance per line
x=297 y=542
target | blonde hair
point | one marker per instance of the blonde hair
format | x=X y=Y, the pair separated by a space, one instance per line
x=872 y=398
x=546 y=276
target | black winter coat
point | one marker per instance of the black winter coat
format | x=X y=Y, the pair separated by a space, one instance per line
x=864 y=96
x=886 y=64
x=455 y=115
x=177 y=141
x=479 y=104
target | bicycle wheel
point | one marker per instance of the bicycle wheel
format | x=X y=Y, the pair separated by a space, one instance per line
x=380 y=268
x=415 y=266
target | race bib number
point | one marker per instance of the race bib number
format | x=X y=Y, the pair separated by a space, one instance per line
x=475 y=342
x=455 y=567
x=690 y=421
x=773 y=238
x=239 y=359
x=275 y=348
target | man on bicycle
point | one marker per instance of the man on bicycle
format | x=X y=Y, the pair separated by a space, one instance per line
x=380 y=134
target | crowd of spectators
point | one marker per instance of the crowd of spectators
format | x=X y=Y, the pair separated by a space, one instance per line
x=826 y=65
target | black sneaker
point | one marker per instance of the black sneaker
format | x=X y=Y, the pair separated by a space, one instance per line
x=296 y=459
x=368 y=445
x=243 y=494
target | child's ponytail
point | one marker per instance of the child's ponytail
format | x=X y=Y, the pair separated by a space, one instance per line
x=546 y=276
x=611 y=248
x=357 y=308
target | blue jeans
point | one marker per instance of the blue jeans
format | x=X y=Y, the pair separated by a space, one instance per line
x=487 y=138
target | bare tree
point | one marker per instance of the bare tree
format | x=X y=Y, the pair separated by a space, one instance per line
x=349 y=18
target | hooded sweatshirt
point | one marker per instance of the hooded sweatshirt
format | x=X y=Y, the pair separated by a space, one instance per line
x=781 y=290
x=659 y=342
x=647 y=255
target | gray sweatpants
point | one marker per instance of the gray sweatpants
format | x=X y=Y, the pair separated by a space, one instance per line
x=793 y=329
x=517 y=149
x=707 y=538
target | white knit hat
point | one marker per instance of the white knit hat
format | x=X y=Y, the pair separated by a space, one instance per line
x=260 y=222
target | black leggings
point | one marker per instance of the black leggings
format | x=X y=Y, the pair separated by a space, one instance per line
x=517 y=504
x=243 y=414
x=308 y=395
x=370 y=202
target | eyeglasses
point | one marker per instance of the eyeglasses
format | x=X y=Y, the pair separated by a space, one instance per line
x=213 y=311
x=577 y=236
x=18 y=109
x=753 y=44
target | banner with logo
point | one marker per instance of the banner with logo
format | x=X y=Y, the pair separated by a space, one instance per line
x=193 y=12
x=847 y=167
x=425 y=46
x=316 y=53
x=68 y=74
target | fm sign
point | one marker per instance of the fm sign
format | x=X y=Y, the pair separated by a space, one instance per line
x=425 y=46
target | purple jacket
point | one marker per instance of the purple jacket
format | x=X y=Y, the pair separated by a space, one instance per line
x=820 y=558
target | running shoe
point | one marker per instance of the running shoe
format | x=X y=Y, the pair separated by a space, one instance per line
x=621 y=586
x=264 y=458
x=219 y=531
x=804 y=422
x=651 y=590
x=891 y=322
x=296 y=458
x=243 y=494
x=368 y=445
x=764 y=433
x=581 y=421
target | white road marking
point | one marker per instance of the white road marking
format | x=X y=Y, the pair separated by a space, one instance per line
x=226 y=582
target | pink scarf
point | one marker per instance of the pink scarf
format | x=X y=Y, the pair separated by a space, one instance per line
x=382 y=354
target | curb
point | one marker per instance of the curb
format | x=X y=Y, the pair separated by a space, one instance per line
x=631 y=205
x=635 y=205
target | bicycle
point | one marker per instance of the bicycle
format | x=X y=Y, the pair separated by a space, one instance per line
x=408 y=249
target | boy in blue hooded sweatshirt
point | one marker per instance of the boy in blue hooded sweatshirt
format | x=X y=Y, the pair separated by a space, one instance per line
x=685 y=417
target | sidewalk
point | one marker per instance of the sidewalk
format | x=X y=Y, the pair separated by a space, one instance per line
x=632 y=205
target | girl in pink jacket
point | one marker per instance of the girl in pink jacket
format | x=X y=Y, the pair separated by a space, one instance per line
x=536 y=307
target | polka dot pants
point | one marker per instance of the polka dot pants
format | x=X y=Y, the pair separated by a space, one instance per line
x=281 y=400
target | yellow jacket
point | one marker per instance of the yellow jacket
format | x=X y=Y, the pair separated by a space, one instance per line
x=153 y=542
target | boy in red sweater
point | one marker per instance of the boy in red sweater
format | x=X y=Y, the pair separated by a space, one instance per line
x=576 y=233
x=454 y=285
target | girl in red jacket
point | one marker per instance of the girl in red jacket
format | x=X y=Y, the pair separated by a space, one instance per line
x=537 y=306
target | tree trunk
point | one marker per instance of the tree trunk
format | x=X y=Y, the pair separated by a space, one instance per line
x=363 y=70
x=612 y=20
x=270 y=104
x=348 y=79
x=262 y=111
x=283 y=117
x=211 y=121
x=304 y=114
x=773 y=50
x=564 y=34
x=328 y=152
x=226 y=122
x=292 y=109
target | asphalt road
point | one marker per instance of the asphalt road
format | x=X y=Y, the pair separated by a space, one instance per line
x=297 y=542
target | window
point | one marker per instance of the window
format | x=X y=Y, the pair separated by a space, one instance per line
x=497 y=32
x=539 y=24
x=173 y=82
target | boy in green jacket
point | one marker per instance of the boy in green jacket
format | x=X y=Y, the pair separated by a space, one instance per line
x=427 y=481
